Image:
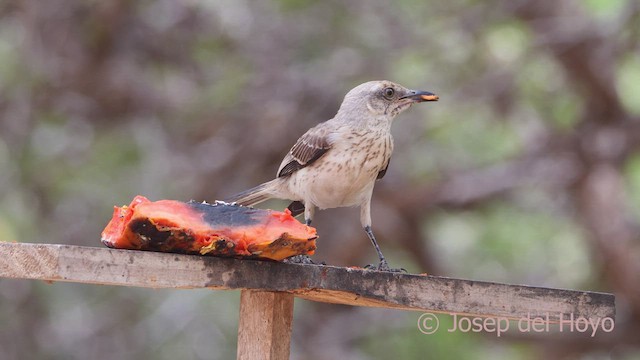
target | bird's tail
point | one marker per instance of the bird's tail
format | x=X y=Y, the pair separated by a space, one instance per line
x=254 y=195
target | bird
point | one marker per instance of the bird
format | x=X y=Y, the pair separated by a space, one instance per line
x=337 y=162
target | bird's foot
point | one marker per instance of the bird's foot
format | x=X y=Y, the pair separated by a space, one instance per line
x=302 y=259
x=384 y=266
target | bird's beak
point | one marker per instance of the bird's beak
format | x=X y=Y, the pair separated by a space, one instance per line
x=420 y=96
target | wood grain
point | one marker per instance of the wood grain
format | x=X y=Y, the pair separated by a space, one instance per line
x=264 y=329
x=352 y=286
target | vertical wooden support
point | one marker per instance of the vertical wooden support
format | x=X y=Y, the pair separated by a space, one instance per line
x=264 y=330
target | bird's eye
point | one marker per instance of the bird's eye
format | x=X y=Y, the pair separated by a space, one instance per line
x=388 y=92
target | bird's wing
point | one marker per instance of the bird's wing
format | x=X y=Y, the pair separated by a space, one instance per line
x=383 y=171
x=309 y=148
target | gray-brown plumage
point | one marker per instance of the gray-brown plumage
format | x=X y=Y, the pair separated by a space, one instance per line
x=337 y=162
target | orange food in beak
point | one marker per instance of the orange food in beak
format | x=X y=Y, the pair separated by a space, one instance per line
x=429 y=97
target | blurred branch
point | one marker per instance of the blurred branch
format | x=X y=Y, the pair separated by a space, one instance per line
x=583 y=49
x=556 y=170
x=629 y=21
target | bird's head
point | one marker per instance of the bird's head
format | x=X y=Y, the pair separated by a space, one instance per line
x=382 y=98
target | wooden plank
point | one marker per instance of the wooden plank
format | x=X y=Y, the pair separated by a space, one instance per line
x=264 y=329
x=352 y=286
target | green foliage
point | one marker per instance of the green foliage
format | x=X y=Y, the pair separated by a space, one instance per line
x=628 y=82
x=507 y=242
x=473 y=138
x=633 y=183
x=507 y=42
x=605 y=8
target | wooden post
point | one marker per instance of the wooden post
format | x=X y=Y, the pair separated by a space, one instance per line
x=264 y=329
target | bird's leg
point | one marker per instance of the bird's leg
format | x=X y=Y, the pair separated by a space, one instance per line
x=383 y=265
x=309 y=210
x=365 y=219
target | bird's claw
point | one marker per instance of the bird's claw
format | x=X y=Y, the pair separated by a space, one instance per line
x=302 y=259
x=384 y=266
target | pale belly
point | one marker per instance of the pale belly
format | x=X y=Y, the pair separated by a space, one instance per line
x=344 y=178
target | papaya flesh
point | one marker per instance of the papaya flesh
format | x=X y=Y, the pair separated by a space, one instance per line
x=218 y=229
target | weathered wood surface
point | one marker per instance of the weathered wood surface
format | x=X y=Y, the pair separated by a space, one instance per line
x=264 y=329
x=351 y=286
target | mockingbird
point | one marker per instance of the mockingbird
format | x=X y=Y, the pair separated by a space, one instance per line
x=337 y=162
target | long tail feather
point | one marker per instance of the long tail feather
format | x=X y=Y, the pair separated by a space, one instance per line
x=254 y=195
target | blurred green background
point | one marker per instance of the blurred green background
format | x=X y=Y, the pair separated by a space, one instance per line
x=526 y=171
